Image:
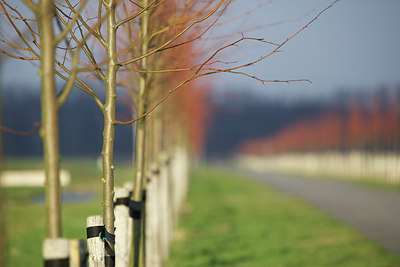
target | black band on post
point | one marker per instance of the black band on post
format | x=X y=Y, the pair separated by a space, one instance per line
x=109 y=237
x=109 y=259
x=144 y=195
x=122 y=201
x=136 y=215
x=57 y=263
x=94 y=231
x=135 y=209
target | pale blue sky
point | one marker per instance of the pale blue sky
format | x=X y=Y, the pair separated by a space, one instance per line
x=354 y=45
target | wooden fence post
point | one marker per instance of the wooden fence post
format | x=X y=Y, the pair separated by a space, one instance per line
x=56 y=252
x=164 y=212
x=94 y=228
x=129 y=186
x=77 y=253
x=153 y=255
x=123 y=227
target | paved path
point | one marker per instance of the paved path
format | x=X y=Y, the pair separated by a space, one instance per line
x=375 y=213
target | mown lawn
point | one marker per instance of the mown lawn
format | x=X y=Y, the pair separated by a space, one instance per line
x=228 y=221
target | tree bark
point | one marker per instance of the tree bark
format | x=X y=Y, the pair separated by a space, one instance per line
x=49 y=131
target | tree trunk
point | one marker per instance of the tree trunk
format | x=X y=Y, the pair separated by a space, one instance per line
x=109 y=121
x=140 y=138
x=49 y=131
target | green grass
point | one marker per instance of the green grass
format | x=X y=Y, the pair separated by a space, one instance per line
x=226 y=222
x=25 y=220
x=233 y=222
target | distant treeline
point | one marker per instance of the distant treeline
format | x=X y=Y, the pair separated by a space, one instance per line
x=232 y=122
x=237 y=121
x=361 y=124
x=80 y=125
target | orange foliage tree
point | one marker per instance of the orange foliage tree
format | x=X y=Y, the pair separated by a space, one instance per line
x=357 y=127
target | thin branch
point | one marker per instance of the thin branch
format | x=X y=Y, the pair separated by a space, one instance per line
x=14 y=17
x=98 y=30
x=68 y=27
x=16 y=28
x=89 y=53
x=97 y=35
x=245 y=14
x=263 y=81
x=62 y=97
x=14 y=46
x=287 y=40
x=83 y=86
x=197 y=74
x=16 y=132
x=31 y=5
x=176 y=36
x=199 y=36
x=19 y=57
x=148 y=7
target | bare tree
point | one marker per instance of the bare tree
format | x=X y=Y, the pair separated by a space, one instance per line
x=42 y=49
x=90 y=50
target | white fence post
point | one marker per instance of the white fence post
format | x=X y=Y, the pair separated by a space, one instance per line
x=153 y=257
x=77 y=252
x=56 y=252
x=94 y=227
x=123 y=227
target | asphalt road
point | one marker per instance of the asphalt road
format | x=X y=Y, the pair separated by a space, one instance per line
x=374 y=212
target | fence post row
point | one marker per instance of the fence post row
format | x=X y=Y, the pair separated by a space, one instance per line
x=165 y=191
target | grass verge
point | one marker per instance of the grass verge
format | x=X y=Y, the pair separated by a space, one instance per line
x=228 y=221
